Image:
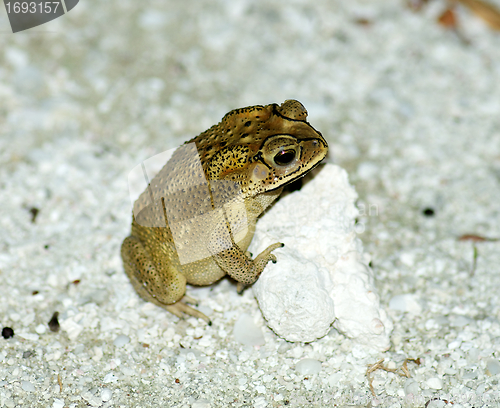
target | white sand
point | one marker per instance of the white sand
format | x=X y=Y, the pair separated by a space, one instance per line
x=409 y=109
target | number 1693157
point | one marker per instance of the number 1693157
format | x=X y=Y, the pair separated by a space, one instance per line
x=23 y=7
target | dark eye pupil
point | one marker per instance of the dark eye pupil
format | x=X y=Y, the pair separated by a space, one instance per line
x=284 y=157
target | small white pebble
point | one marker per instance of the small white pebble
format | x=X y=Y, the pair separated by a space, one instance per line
x=391 y=365
x=27 y=386
x=201 y=403
x=247 y=332
x=108 y=378
x=308 y=366
x=91 y=399
x=460 y=321
x=297 y=352
x=334 y=379
x=40 y=329
x=106 y=394
x=260 y=402
x=71 y=327
x=128 y=371
x=121 y=340
x=268 y=378
x=411 y=387
x=284 y=347
x=435 y=383
x=28 y=336
x=261 y=389
x=58 y=403
x=493 y=366
x=168 y=335
x=15 y=317
x=405 y=303
x=407 y=258
x=9 y=403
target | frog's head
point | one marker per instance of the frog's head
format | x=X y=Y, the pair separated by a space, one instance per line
x=289 y=151
x=262 y=148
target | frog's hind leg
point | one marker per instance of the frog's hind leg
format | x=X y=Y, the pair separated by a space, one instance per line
x=166 y=289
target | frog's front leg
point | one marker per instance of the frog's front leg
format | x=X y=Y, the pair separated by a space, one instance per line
x=241 y=267
x=166 y=289
x=236 y=223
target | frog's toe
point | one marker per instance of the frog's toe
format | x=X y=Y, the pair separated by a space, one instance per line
x=180 y=309
x=267 y=255
x=240 y=287
x=189 y=299
x=275 y=246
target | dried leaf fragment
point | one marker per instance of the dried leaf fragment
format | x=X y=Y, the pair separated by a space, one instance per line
x=448 y=19
x=476 y=238
x=485 y=11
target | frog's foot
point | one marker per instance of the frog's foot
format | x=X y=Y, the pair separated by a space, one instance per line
x=265 y=256
x=259 y=263
x=180 y=309
x=257 y=266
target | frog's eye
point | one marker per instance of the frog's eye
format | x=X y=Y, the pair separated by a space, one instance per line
x=284 y=157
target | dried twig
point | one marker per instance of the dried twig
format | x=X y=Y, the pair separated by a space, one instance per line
x=371 y=368
x=379 y=366
x=60 y=383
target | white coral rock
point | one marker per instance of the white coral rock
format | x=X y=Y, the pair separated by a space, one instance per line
x=321 y=277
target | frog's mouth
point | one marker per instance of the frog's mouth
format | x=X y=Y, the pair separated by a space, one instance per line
x=298 y=177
